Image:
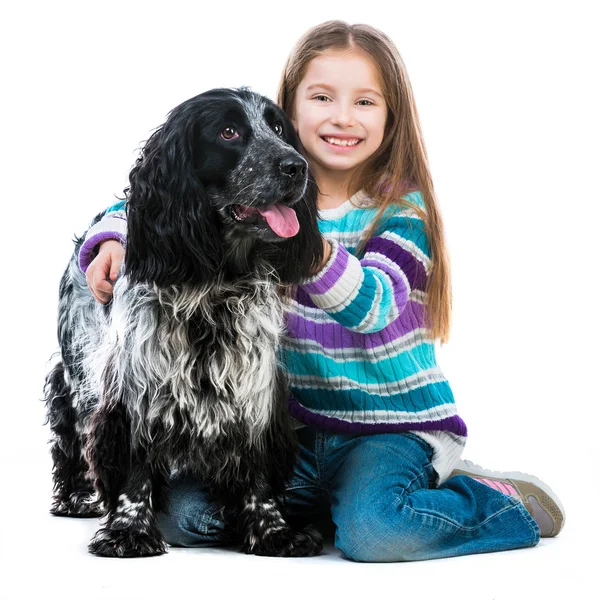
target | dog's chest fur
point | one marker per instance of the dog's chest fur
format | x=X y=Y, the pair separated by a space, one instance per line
x=203 y=361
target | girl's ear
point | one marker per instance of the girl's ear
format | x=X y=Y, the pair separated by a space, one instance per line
x=172 y=230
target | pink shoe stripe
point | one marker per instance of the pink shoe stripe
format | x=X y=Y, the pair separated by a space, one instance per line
x=493 y=484
x=505 y=488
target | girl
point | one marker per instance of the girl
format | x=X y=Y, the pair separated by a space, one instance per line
x=379 y=431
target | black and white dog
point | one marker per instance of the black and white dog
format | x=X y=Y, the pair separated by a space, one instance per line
x=180 y=370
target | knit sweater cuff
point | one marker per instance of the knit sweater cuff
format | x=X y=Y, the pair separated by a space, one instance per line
x=338 y=281
x=109 y=228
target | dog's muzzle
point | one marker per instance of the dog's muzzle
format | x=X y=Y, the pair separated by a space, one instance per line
x=278 y=216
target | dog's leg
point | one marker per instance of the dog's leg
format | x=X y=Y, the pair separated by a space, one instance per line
x=128 y=485
x=264 y=527
x=131 y=528
x=265 y=531
x=74 y=494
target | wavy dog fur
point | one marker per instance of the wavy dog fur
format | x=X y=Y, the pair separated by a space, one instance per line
x=180 y=370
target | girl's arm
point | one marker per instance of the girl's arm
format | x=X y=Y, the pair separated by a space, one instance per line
x=112 y=226
x=367 y=295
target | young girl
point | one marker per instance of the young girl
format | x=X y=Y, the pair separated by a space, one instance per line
x=380 y=434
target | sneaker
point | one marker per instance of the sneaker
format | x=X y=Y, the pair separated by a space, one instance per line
x=539 y=500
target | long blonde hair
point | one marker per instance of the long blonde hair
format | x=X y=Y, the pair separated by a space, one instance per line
x=400 y=164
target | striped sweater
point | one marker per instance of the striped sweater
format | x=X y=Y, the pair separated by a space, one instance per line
x=356 y=351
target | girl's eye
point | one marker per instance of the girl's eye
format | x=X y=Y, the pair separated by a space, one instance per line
x=278 y=127
x=229 y=133
x=369 y=103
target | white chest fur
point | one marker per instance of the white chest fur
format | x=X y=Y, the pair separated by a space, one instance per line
x=197 y=358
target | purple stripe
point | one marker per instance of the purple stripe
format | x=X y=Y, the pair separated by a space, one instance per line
x=88 y=251
x=334 y=335
x=413 y=269
x=399 y=288
x=331 y=275
x=416 y=282
x=453 y=424
x=304 y=299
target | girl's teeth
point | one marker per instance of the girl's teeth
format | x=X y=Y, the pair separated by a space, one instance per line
x=342 y=142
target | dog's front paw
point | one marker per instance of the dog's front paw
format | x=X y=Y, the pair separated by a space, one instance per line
x=78 y=504
x=124 y=543
x=285 y=542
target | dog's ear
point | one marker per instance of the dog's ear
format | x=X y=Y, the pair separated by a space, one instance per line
x=299 y=257
x=172 y=231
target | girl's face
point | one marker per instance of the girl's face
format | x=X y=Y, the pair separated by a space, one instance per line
x=340 y=97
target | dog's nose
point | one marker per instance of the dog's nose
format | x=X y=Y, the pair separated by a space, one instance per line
x=293 y=167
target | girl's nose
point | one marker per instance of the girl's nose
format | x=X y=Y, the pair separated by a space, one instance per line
x=343 y=115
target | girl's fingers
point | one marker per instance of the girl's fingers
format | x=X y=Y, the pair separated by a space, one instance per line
x=103 y=287
x=116 y=260
x=105 y=265
x=96 y=274
x=100 y=296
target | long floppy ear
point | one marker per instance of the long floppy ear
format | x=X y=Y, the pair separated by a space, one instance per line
x=172 y=232
x=299 y=257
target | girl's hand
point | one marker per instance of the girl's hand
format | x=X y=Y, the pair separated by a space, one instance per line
x=106 y=265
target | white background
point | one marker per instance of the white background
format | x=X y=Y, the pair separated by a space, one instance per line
x=507 y=94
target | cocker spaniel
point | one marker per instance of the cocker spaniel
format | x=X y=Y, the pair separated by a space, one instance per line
x=180 y=371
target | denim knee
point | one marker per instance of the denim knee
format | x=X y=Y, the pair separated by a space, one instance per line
x=365 y=534
x=194 y=520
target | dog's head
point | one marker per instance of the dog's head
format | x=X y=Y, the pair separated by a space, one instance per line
x=219 y=188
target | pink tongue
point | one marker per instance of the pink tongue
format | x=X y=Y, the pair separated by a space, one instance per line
x=281 y=219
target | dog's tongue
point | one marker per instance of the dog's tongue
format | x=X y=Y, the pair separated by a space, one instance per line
x=281 y=219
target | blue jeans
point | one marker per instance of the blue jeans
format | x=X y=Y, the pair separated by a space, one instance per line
x=376 y=494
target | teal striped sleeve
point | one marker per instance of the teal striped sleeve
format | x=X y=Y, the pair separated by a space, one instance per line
x=367 y=295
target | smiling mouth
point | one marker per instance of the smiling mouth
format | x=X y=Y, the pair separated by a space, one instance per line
x=280 y=218
x=339 y=143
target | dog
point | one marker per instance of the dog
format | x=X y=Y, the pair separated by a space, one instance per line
x=179 y=372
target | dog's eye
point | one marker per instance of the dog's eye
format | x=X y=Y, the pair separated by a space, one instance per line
x=229 y=133
x=278 y=127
